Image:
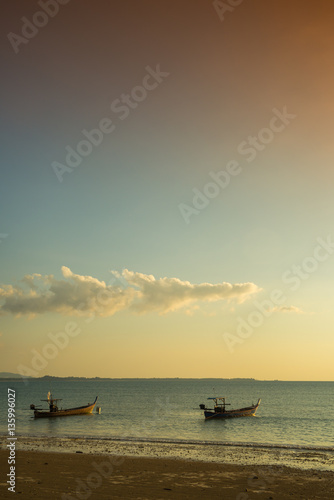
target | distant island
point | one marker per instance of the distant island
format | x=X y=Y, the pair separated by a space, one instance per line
x=17 y=376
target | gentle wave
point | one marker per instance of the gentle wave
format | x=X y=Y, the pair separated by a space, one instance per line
x=131 y=439
x=213 y=443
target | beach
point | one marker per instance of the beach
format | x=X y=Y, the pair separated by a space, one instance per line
x=42 y=475
x=82 y=469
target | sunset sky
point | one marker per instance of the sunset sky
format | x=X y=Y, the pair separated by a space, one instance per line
x=167 y=202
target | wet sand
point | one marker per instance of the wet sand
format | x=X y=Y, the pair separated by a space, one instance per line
x=48 y=475
x=296 y=458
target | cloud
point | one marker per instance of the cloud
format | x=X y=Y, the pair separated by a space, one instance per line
x=86 y=295
x=74 y=295
x=285 y=309
x=169 y=294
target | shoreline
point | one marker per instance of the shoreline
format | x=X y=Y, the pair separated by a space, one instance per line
x=218 y=453
x=70 y=476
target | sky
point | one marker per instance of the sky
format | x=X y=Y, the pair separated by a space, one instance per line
x=166 y=189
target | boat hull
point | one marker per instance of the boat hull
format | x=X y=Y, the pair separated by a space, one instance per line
x=81 y=410
x=241 y=412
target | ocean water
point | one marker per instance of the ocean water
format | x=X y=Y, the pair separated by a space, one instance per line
x=292 y=415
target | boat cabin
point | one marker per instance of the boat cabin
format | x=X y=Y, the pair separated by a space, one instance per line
x=219 y=406
x=53 y=406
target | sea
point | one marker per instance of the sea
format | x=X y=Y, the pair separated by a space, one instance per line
x=294 y=425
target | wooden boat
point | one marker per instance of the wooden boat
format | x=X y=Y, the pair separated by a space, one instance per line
x=219 y=410
x=54 y=411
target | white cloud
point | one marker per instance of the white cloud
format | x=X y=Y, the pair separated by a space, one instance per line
x=169 y=294
x=86 y=295
x=74 y=295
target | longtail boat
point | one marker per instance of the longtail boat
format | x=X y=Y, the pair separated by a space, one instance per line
x=219 y=410
x=54 y=411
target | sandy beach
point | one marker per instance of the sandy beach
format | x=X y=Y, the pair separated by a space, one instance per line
x=42 y=475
